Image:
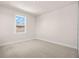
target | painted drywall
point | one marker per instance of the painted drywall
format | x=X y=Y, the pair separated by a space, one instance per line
x=7 y=25
x=59 y=26
x=78 y=30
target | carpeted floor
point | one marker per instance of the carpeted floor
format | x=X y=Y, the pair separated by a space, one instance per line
x=36 y=49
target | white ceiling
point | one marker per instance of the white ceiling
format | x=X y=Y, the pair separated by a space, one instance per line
x=37 y=7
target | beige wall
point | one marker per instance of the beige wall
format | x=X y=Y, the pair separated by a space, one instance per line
x=59 y=26
x=8 y=27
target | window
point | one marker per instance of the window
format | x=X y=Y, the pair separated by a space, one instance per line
x=20 y=24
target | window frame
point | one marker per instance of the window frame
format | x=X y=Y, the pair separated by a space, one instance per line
x=24 y=24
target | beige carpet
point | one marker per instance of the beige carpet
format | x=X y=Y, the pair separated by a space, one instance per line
x=36 y=49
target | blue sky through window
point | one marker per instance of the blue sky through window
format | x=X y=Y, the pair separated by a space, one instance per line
x=20 y=20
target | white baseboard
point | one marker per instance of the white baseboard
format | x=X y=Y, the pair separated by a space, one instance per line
x=13 y=42
x=59 y=43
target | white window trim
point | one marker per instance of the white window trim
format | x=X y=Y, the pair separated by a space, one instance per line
x=24 y=24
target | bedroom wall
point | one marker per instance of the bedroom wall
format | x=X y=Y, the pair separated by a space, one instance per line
x=78 y=30
x=59 y=26
x=7 y=25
